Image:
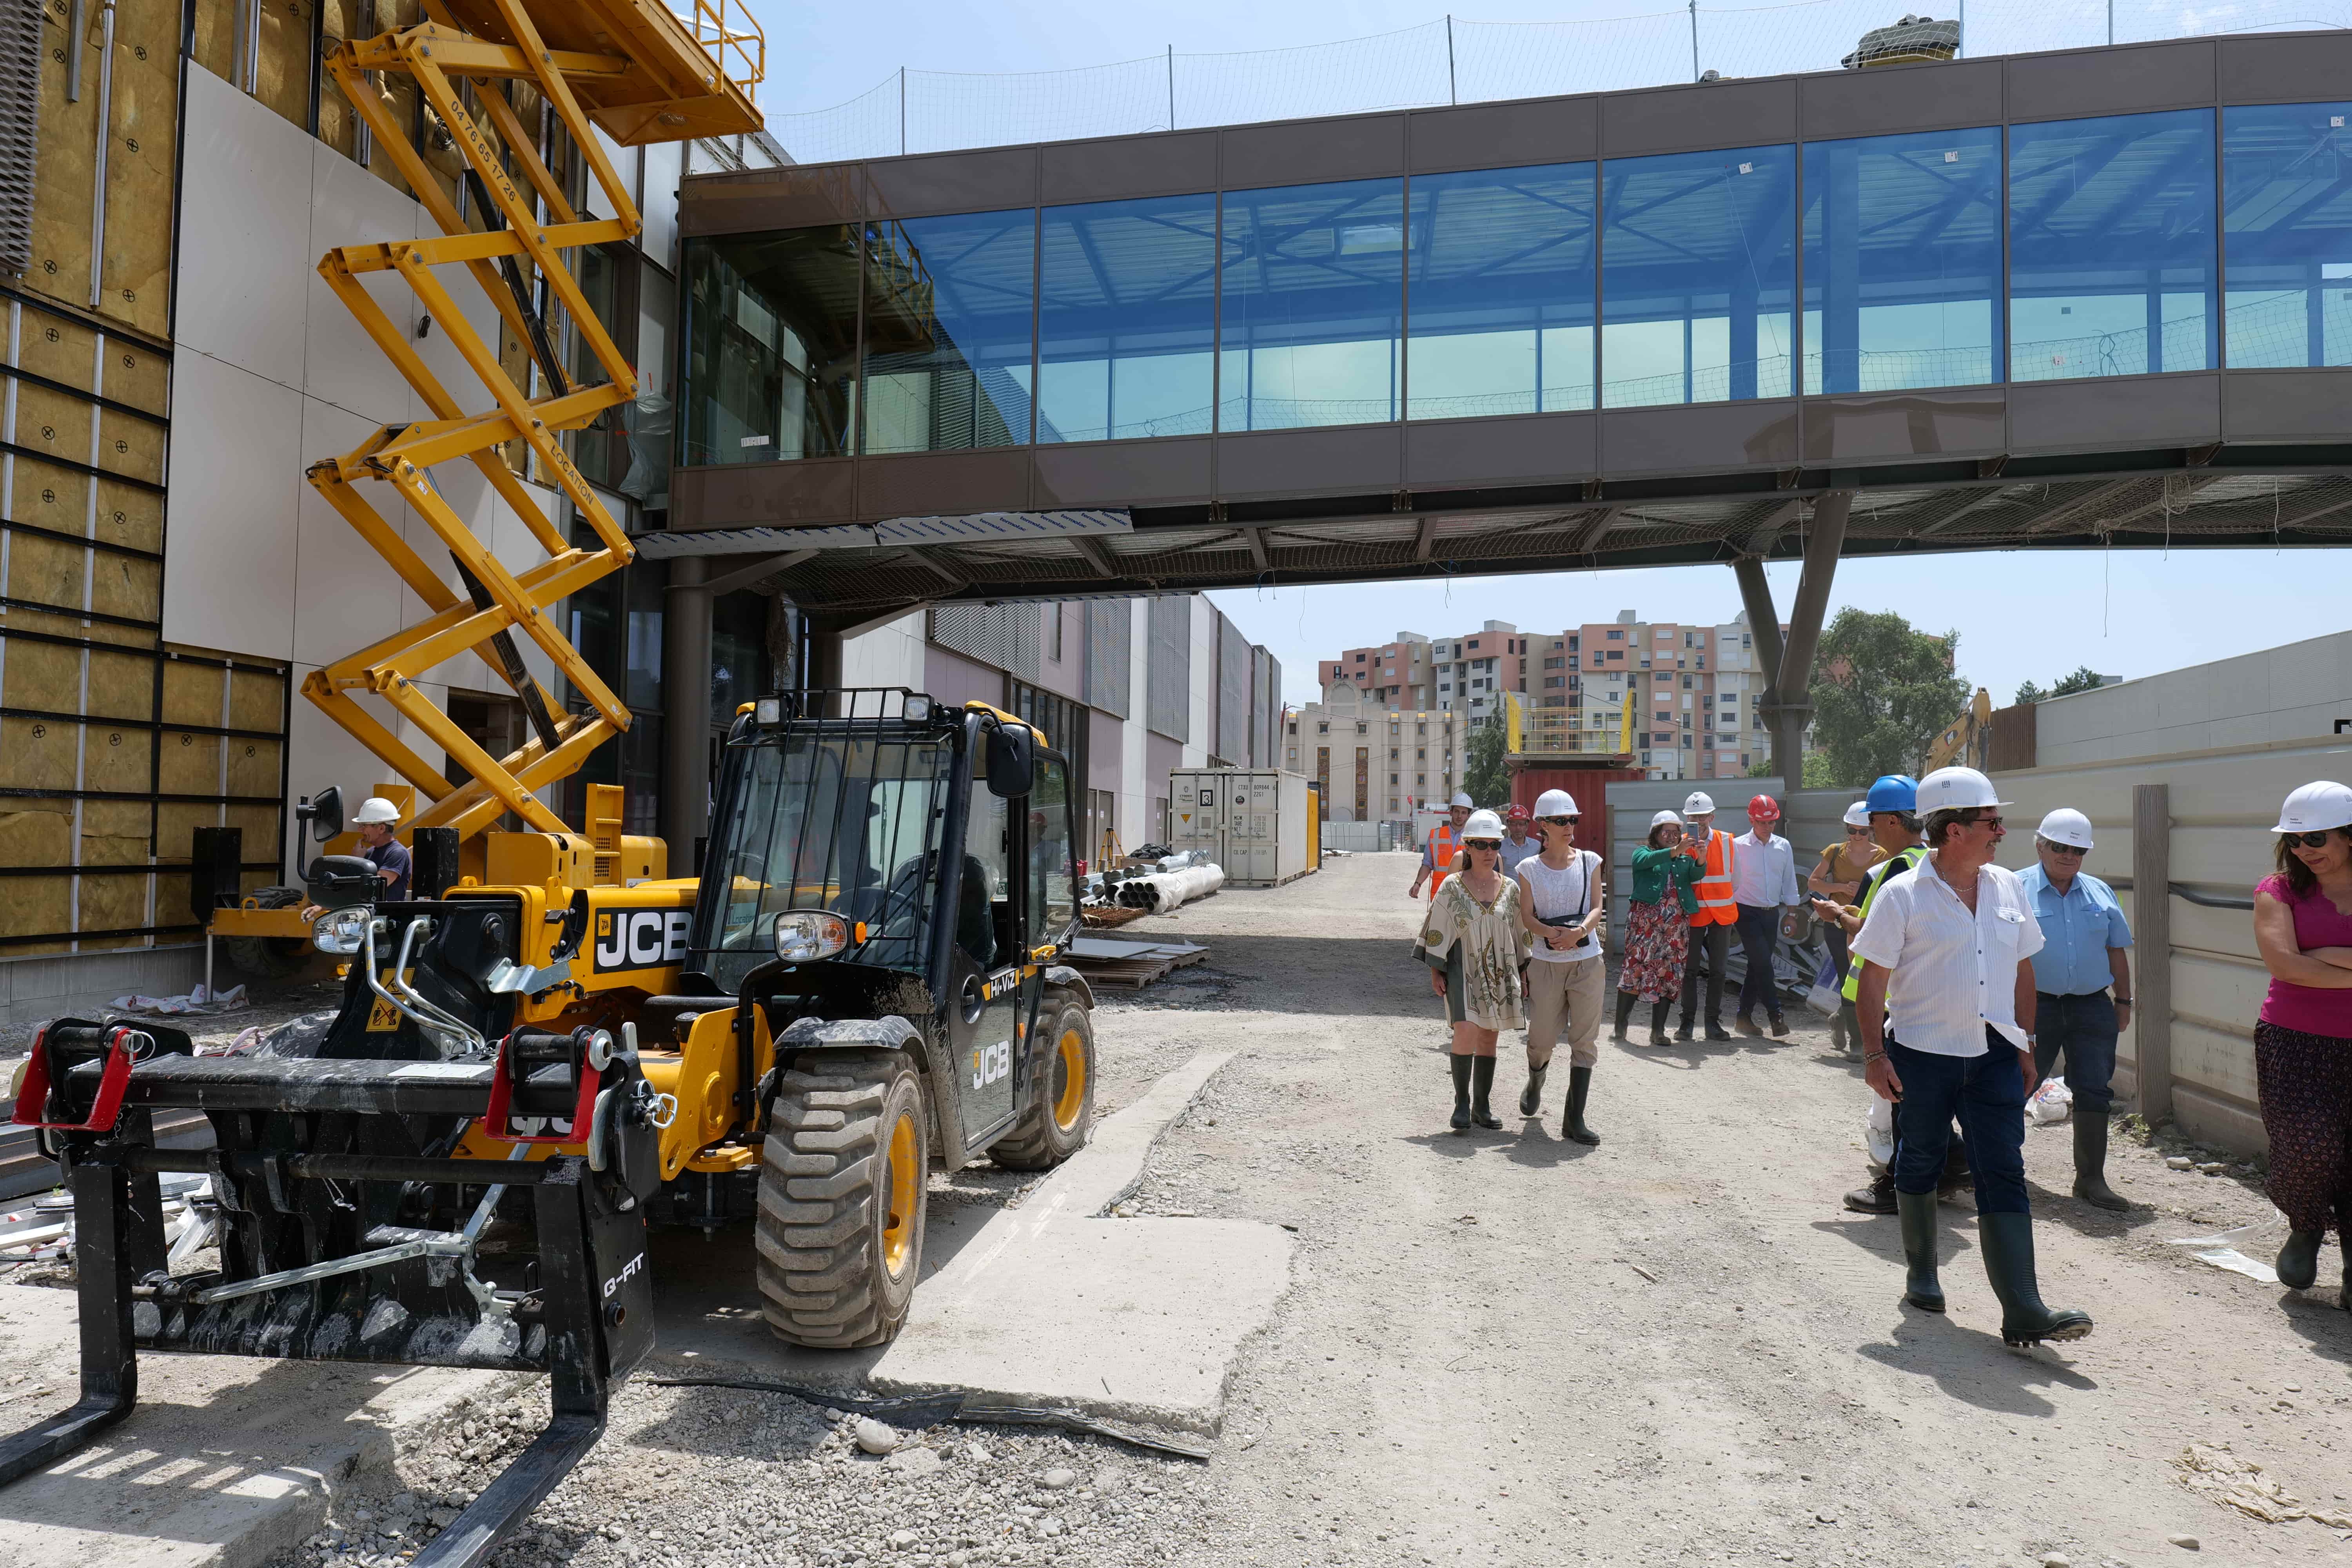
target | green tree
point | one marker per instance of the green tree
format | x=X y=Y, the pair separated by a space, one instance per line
x=2085 y=679
x=1484 y=776
x=1882 y=691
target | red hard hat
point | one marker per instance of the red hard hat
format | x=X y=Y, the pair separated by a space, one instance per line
x=1515 y=812
x=1763 y=806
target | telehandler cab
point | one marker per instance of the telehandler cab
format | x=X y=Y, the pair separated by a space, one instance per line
x=459 y=1169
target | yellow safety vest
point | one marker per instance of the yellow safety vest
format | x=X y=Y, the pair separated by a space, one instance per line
x=1900 y=862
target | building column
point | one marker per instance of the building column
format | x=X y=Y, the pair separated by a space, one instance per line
x=1787 y=704
x=685 y=691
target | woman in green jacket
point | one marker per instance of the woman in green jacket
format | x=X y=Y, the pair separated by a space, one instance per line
x=1657 y=928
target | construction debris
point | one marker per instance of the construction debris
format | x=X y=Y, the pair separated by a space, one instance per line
x=1111 y=961
x=1163 y=891
x=2218 y=1476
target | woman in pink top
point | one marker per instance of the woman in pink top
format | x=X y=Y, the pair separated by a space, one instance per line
x=2303 y=1046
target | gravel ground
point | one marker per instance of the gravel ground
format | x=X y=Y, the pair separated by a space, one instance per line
x=1502 y=1347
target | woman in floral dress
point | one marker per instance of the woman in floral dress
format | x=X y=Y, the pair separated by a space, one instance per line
x=1657 y=926
x=1475 y=944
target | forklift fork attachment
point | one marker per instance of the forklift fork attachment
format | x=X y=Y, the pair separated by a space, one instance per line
x=110 y=1366
x=469 y=1538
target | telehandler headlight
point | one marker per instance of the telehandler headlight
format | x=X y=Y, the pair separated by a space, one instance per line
x=918 y=711
x=341 y=930
x=768 y=712
x=803 y=936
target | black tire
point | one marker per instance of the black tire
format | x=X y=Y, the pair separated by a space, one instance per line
x=1061 y=1110
x=842 y=1187
x=269 y=957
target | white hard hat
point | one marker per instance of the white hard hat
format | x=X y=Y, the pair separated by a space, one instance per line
x=2066 y=826
x=376 y=808
x=1956 y=789
x=1664 y=819
x=1461 y=799
x=1857 y=815
x=1556 y=803
x=2320 y=804
x=1483 y=824
x=1700 y=803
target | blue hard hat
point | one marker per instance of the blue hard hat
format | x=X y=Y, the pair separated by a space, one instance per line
x=1894 y=791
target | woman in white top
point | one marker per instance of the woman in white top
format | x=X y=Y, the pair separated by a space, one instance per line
x=1562 y=911
x=1476 y=945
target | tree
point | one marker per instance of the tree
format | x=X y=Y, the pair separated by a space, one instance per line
x=2085 y=679
x=1485 y=778
x=1882 y=691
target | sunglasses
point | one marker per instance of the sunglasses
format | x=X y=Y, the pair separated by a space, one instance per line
x=1980 y=822
x=1560 y=821
x=1857 y=832
x=2076 y=851
x=2309 y=840
x=1493 y=846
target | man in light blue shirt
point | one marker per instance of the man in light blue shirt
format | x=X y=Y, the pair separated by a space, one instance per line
x=2081 y=985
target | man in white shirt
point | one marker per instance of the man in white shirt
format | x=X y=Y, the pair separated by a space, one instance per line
x=1763 y=882
x=1946 y=1009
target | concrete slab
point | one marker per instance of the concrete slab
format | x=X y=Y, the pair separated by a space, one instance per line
x=228 y=1462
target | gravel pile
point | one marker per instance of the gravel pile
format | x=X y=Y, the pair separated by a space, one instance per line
x=716 y=1477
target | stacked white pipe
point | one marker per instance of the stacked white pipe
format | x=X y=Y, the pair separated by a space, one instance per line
x=1165 y=890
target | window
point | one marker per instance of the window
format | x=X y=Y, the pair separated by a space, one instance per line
x=1617 y=636
x=1359 y=658
x=1903 y=261
x=1126 y=317
x=1617 y=655
x=1312 y=284
x=1324 y=728
x=770 y=347
x=1698 y=270
x=1552 y=681
x=948 y=307
x=2286 y=206
x=2111 y=246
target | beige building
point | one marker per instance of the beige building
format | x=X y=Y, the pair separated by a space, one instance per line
x=1376 y=763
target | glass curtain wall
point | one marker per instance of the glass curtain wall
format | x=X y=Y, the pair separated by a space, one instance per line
x=950 y=308
x=1697 y=277
x=2286 y=232
x=2111 y=246
x=1501 y=284
x=1127 y=319
x=1311 y=279
x=770 y=347
x=1902 y=263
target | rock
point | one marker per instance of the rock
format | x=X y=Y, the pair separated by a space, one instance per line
x=2214 y=1167
x=1108 y=1481
x=2181 y=1163
x=2056 y=1560
x=875 y=1436
x=915 y=1461
x=1058 y=1479
x=1049 y=1526
x=976 y=1454
x=2185 y=1543
x=902 y=1538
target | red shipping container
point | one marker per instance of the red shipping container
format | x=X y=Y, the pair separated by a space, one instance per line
x=1588 y=786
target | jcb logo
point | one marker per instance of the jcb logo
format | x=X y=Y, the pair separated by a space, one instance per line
x=990 y=1063
x=640 y=939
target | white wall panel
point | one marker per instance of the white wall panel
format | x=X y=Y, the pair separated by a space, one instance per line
x=342 y=365
x=345 y=597
x=245 y=256
x=890 y=655
x=318 y=753
x=230 y=513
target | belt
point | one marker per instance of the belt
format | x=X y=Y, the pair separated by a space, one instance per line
x=2073 y=995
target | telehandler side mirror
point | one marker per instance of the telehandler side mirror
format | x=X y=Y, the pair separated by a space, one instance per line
x=324 y=812
x=1011 y=761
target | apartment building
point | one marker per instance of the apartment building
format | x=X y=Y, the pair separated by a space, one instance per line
x=1375 y=762
x=1466 y=674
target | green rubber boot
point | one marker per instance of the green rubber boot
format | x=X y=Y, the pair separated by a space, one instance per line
x=1920 y=1286
x=1531 y=1097
x=1580 y=1086
x=2008 y=1243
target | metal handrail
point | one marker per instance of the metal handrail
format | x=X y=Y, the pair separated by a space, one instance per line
x=709 y=23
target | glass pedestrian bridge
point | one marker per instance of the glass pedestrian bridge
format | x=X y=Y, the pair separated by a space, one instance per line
x=2098 y=296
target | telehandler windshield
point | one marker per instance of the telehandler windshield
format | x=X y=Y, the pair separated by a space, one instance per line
x=849 y=823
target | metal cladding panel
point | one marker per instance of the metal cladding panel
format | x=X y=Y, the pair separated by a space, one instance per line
x=1232 y=720
x=1120 y=167
x=1868 y=428
x=2182 y=410
x=1266 y=707
x=1003 y=636
x=2118 y=81
x=772 y=199
x=1167 y=704
x=1110 y=635
x=2286 y=69
x=2286 y=405
x=20 y=99
x=1894 y=99
x=1549 y=130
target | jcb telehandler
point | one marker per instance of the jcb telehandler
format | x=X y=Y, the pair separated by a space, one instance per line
x=460 y=1168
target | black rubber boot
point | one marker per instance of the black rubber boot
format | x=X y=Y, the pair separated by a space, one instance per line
x=1579 y=1085
x=1658 y=1010
x=2008 y=1243
x=1482 y=1085
x=2298 y=1260
x=1837 y=1033
x=2091 y=1164
x=1531 y=1097
x=1461 y=1066
x=1626 y=1000
x=1920 y=1286
x=1779 y=1028
x=1877 y=1198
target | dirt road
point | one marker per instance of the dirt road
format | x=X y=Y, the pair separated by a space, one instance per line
x=1503 y=1348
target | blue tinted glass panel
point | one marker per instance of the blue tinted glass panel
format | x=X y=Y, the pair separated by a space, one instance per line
x=2286 y=233
x=1312 y=280
x=948 y=316
x=2111 y=256
x=1501 y=293
x=1697 y=270
x=1127 y=319
x=1903 y=261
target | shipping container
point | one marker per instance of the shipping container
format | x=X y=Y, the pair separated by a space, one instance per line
x=1254 y=822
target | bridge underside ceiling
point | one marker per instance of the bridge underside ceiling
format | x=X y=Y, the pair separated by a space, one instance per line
x=1174 y=551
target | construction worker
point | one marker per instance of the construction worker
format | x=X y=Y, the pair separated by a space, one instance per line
x=2082 y=983
x=376 y=820
x=1711 y=923
x=1560 y=909
x=1946 y=1005
x=1838 y=878
x=1763 y=882
x=1445 y=843
x=1519 y=843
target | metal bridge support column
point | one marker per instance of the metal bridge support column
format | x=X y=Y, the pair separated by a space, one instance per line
x=1789 y=670
x=686 y=693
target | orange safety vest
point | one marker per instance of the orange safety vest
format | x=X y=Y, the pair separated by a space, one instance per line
x=1714 y=890
x=1442 y=846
